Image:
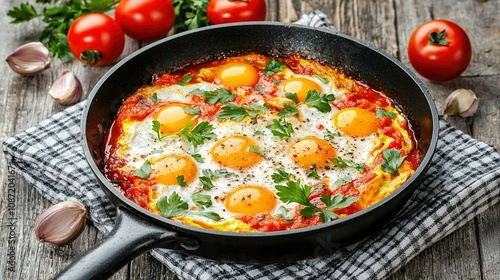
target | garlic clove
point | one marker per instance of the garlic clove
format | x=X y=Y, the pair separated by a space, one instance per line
x=462 y=102
x=67 y=89
x=61 y=223
x=29 y=59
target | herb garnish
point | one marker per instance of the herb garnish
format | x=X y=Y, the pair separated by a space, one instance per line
x=381 y=112
x=220 y=95
x=340 y=162
x=181 y=181
x=185 y=80
x=202 y=200
x=210 y=175
x=313 y=99
x=313 y=173
x=257 y=150
x=281 y=128
x=273 y=66
x=197 y=136
x=191 y=111
x=154 y=98
x=296 y=192
x=144 y=170
x=322 y=79
x=392 y=161
x=238 y=113
x=172 y=206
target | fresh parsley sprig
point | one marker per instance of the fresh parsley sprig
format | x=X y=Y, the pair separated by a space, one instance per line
x=281 y=128
x=221 y=95
x=340 y=162
x=273 y=66
x=314 y=99
x=210 y=175
x=238 y=113
x=197 y=136
x=144 y=170
x=381 y=112
x=295 y=191
x=392 y=161
x=173 y=205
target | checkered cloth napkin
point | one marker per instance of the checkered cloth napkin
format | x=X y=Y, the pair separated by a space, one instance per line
x=461 y=182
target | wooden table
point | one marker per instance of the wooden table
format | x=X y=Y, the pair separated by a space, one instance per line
x=471 y=252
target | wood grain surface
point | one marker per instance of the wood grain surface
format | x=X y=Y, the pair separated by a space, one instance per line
x=471 y=252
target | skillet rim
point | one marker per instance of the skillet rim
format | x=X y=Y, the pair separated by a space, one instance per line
x=177 y=226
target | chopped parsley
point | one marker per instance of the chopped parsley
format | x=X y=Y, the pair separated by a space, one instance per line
x=154 y=98
x=313 y=173
x=201 y=200
x=322 y=79
x=172 y=206
x=238 y=113
x=314 y=99
x=185 y=80
x=181 y=181
x=220 y=95
x=257 y=150
x=191 y=111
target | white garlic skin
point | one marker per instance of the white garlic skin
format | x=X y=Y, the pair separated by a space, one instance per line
x=29 y=59
x=462 y=102
x=67 y=89
x=61 y=223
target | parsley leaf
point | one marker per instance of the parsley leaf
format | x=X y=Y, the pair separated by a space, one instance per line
x=221 y=95
x=253 y=109
x=197 y=136
x=191 y=111
x=282 y=129
x=206 y=183
x=185 y=80
x=294 y=192
x=257 y=150
x=289 y=110
x=201 y=200
x=319 y=101
x=172 y=206
x=190 y=14
x=273 y=66
x=313 y=173
x=211 y=215
x=392 y=161
x=342 y=181
x=198 y=158
x=144 y=170
x=322 y=79
x=381 y=112
x=154 y=98
x=181 y=181
x=281 y=176
x=293 y=96
x=340 y=162
x=232 y=112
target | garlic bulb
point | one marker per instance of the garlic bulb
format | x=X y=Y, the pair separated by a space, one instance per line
x=62 y=223
x=67 y=89
x=29 y=59
x=462 y=102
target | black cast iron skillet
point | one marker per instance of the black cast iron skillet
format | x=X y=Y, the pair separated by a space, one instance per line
x=138 y=230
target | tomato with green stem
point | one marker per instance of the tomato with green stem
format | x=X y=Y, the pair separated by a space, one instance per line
x=439 y=50
x=145 y=20
x=226 y=11
x=96 y=39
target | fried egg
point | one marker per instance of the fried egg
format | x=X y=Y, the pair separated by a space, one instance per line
x=235 y=167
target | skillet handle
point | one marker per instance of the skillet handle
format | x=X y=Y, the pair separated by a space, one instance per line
x=130 y=237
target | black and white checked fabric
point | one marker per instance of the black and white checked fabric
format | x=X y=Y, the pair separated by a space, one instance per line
x=462 y=181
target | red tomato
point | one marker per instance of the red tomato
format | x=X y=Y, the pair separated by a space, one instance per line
x=96 y=39
x=145 y=20
x=439 y=50
x=225 y=11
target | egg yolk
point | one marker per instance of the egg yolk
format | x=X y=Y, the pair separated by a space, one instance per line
x=250 y=200
x=300 y=86
x=356 y=122
x=172 y=118
x=238 y=74
x=234 y=152
x=170 y=168
x=310 y=150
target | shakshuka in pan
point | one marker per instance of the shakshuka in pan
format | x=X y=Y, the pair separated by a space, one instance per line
x=254 y=143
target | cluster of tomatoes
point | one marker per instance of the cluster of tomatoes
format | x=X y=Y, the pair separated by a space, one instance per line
x=97 y=39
